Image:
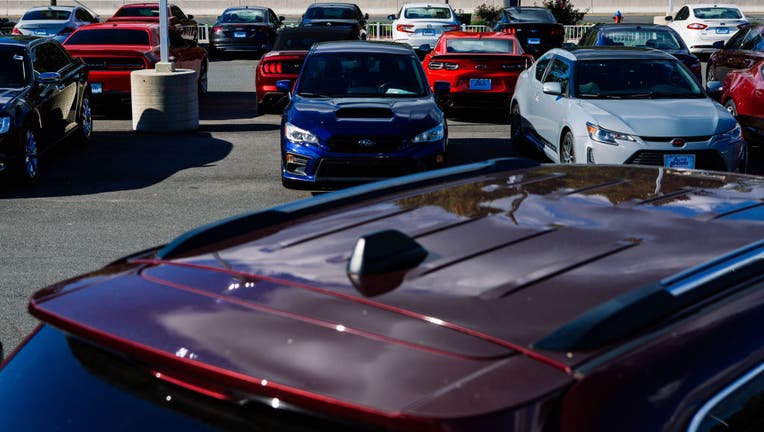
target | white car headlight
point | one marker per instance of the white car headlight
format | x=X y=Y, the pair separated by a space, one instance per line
x=5 y=125
x=598 y=134
x=734 y=134
x=295 y=134
x=435 y=134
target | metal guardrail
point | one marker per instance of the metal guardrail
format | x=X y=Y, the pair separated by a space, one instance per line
x=383 y=31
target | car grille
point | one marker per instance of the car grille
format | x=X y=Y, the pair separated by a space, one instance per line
x=108 y=63
x=365 y=144
x=360 y=168
x=704 y=159
x=703 y=138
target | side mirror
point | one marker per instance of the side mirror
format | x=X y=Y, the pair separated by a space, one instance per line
x=366 y=16
x=714 y=89
x=190 y=16
x=553 y=88
x=391 y=17
x=568 y=46
x=425 y=48
x=49 y=77
x=718 y=44
x=284 y=85
x=441 y=87
x=669 y=18
x=281 y=18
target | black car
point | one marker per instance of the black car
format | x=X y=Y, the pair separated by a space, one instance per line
x=337 y=15
x=250 y=29
x=536 y=28
x=654 y=36
x=45 y=98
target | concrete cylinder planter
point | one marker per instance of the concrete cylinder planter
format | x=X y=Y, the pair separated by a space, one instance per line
x=164 y=101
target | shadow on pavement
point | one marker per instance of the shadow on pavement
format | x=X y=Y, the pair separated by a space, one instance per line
x=238 y=105
x=468 y=150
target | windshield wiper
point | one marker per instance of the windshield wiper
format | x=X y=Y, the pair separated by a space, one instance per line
x=314 y=95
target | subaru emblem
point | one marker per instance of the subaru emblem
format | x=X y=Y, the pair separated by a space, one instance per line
x=366 y=142
x=677 y=142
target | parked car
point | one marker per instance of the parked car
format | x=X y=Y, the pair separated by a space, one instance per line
x=481 y=68
x=743 y=96
x=44 y=99
x=6 y=25
x=701 y=25
x=497 y=296
x=623 y=106
x=535 y=27
x=337 y=15
x=285 y=60
x=112 y=51
x=184 y=24
x=642 y=36
x=418 y=24
x=245 y=29
x=745 y=48
x=56 y=21
x=359 y=111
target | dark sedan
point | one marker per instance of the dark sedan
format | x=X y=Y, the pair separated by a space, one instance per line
x=742 y=51
x=535 y=27
x=44 y=98
x=245 y=29
x=653 y=36
x=336 y=15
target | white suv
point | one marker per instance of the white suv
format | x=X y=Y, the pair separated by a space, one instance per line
x=700 y=25
x=420 y=24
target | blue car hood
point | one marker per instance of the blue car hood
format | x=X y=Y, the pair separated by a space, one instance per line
x=409 y=116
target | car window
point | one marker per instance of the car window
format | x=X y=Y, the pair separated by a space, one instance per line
x=49 y=57
x=109 y=37
x=751 y=41
x=635 y=79
x=177 y=13
x=683 y=14
x=738 y=407
x=658 y=39
x=541 y=65
x=529 y=15
x=13 y=74
x=362 y=75
x=289 y=40
x=83 y=16
x=244 y=16
x=428 y=12
x=137 y=12
x=559 y=72
x=330 y=13
x=479 y=45
x=48 y=14
x=737 y=39
x=717 y=13
x=273 y=18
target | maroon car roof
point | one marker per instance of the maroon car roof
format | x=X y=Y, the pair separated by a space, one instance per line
x=511 y=257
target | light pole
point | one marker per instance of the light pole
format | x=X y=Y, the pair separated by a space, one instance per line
x=164 y=64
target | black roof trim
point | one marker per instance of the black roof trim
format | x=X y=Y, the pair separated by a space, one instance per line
x=230 y=228
x=633 y=311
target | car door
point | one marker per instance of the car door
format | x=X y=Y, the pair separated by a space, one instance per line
x=530 y=106
x=554 y=107
x=58 y=100
x=751 y=51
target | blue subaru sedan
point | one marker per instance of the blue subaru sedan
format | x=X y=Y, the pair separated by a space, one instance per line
x=360 y=111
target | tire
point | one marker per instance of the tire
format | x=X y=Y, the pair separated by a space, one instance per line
x=731 y=107
x=567 y=149
x=85 y=121
x=27 y=166
x=519 y=146
x=263 y=108
x=203 y=83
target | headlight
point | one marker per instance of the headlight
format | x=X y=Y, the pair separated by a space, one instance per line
x=295 y=134
x=435 y=134
x=5 y=124
x=607 y=136
x=735 y=134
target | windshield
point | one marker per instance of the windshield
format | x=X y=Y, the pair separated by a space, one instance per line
x=47 y=14
x=530 y=15
x=658 y=39
x=428 y=12
x=138 y=12
x=717 y=13
x=288 y=40
x=330 y=13
x=634 y=79
x=479 y=45
x=362 y=75
x=244 y=16
x=109 y=37
x=14 y=72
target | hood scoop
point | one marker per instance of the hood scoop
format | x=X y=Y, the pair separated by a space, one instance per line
x=365 y=113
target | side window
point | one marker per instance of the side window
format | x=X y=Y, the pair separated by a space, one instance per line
x=49 y=57
x=683 y=14
x=751 y=41
x=736 y=40
x=541 y=67
x=738 y=407
x=177 y=13
x=559 y=72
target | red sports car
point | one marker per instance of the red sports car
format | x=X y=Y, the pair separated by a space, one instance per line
x=285 y=60
x=743 y=96
x=112 y=51
x=149 y=12
x=481 y=67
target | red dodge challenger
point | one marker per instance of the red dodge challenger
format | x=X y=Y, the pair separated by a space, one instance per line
x=482 y=68
x=113 y=51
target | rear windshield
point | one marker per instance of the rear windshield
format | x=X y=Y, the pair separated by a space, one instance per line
x=287 y=40
x=13 y=74
x=428 y=12
x=53 y=15
x=635 y=79
x=330 y=13
x=717 y=13
x=109 y=37
x=658 y=39
x=479 y=45
x=529 y=15
x=244 y=16
x=362 y=75
x=138 y=12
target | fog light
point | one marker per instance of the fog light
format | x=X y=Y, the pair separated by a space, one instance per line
x=296 y=164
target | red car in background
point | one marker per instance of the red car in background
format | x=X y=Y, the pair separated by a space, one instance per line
x=482 y=68
x=743 y=96
x=149 y=12
x=113 y=51
x=285 y=60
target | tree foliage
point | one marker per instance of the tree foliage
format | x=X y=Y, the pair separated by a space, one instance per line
x=564 y=12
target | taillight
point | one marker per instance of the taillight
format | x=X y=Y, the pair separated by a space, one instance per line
x=15 y=31
x=450 y=27
x=217 y=29
x=557 y=32
x=407 y=28
x=272 y=68
x=697 y=26
x=435 y=65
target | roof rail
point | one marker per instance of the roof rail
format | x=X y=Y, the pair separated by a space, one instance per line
x=638 y=309
x=243 y=224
